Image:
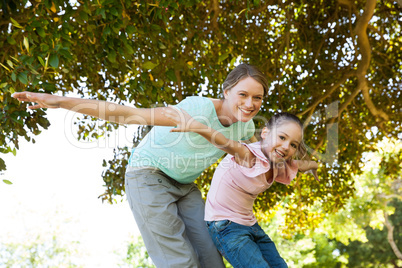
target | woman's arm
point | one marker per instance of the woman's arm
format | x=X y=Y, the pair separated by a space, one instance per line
x=101 y=109
x=185 y=123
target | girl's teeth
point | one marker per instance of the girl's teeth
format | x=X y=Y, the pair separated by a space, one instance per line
x=281 y=155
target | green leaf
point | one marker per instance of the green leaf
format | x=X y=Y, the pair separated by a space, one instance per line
x=13 y=77
x=7 y=182
x=2 y=164
x=11 y=40
x=170 y=74
x=5 y=67
x=54 y=60
x=65 y=53
x=102 y=12
x=114 y=11
x=15 y=23
x=130 y=29
x=26 y=43
x=129 y=49
x=107 y=30
x=149 y=65
x=84 y=15
x=44 y=47
x=112 y=56
x=10 y=63
x=23 y=78
x=223 y=57
x=41 y=32
x=41 y=61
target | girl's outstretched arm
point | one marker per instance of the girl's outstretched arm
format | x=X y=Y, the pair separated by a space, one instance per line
x=185 y=123
x=308 y=166
x=101 y=109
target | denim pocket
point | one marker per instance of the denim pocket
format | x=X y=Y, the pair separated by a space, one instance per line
x=221 y=225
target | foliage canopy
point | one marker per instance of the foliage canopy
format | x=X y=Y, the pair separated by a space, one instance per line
x=337 y=64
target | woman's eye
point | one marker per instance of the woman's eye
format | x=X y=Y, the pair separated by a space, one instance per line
x=294 y=146
x=242 y=94
x=258 y=98
x=282 y=137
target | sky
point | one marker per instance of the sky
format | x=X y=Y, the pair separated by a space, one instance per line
x=56 y=184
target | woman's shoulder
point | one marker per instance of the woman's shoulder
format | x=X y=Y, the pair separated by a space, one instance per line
x=197 y=105
x=198 y=99
x=216 y=102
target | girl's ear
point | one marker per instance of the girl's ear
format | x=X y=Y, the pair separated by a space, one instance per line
x=264 y=133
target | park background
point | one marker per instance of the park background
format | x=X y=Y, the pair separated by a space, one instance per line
x=336 y=64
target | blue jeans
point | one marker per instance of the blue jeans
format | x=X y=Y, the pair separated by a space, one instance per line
x=244 y=246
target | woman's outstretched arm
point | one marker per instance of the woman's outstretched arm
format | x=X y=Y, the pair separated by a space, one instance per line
x=185 y=123
x=101 y=109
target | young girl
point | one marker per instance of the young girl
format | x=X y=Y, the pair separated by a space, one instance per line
x=165 y=202
x=247 y=170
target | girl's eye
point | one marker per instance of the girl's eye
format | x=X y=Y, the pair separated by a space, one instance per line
x=282 y=138
x=242 y=94
x=294 y=145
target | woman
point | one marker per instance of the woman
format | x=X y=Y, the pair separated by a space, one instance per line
x=165 y=202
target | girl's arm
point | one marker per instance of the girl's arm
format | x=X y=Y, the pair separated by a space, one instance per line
x=185 y=123
x=101 y=109
x=308 y=166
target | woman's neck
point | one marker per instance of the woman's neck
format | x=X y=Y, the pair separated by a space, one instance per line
x=223 y=112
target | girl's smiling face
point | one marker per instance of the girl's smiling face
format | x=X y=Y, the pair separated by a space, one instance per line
x=282 y=141
x=243 y=101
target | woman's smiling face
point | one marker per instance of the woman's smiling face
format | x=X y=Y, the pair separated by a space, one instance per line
x=243 y=101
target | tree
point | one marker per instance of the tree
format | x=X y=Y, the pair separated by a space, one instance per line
x=376 y=251
x=336 y=64
x=359 y=234
x=368 y=229
x=137 y=255
x=38 y=253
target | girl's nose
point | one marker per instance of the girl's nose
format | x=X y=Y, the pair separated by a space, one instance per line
x=285 y=145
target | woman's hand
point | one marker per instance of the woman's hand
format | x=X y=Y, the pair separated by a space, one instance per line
x=43 y=100
x=183 y=121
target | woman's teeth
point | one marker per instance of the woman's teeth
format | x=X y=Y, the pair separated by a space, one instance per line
x=245 y=111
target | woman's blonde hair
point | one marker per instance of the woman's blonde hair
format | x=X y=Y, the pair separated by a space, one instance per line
x=243 y=71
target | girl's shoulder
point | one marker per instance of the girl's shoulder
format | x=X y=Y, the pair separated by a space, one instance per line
x=256 y=150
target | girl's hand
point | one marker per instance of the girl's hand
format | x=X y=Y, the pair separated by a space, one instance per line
x=308 y=167
x=314 y=173
x=183 y=121
x=43 y=100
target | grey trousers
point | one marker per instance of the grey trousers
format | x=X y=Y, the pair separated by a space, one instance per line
x=170 y=217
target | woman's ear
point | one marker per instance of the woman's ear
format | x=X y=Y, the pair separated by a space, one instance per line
x=225 y=93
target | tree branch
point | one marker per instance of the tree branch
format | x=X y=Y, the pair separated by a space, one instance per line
x=328 y=93
x=390 y=237
x=365 y=51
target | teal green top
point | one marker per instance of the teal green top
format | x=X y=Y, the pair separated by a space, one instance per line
x=183 y=156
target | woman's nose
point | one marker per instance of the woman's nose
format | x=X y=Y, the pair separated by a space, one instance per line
x=249 y=102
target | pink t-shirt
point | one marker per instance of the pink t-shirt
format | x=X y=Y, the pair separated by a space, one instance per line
x=234 y=188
